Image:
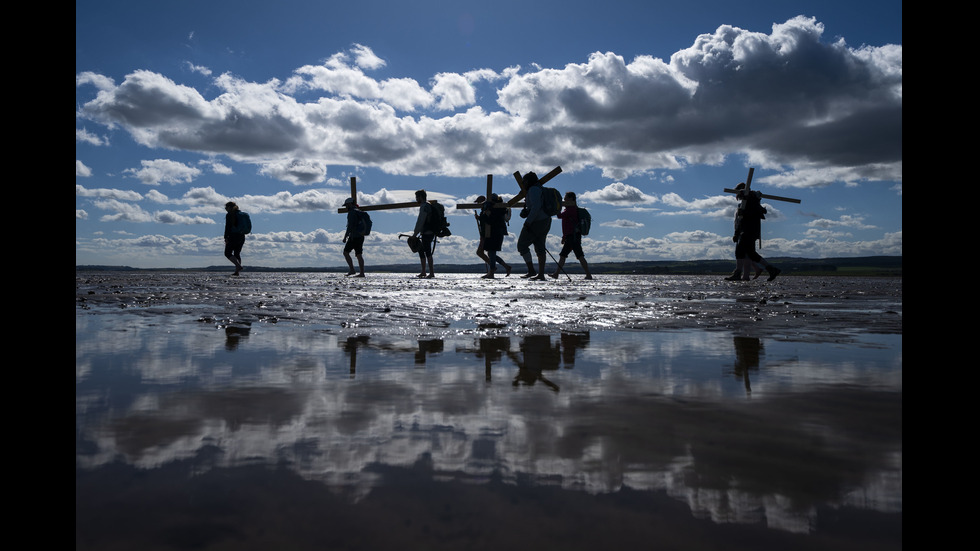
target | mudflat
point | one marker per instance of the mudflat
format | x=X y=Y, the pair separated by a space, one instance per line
x=311 y=411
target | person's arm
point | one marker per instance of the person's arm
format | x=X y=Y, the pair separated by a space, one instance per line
x=420 y=222
x=228 y=224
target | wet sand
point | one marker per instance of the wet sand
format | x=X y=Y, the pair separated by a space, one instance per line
x=313 y=411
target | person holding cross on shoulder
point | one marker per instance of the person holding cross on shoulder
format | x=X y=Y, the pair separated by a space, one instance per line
x=748 y=228
x=354 y=238
x=537 y=224
x=423 y=228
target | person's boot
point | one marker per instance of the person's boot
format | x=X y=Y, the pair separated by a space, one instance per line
x=773 y=272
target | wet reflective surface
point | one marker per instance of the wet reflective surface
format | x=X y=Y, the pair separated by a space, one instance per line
x=307 y=411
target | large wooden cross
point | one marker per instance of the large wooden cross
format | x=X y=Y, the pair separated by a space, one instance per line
x=748 y=184
x=385 y=206
x=515 y=201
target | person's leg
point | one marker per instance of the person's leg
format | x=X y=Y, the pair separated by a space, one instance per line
x=524 y=250
x=428 y=247
x=585 y=266
x=742 y=262
x=348 y=247
x=561 y=262
x=542 y=260
x=233 y=251
x=359 y=253
x=483 y=254
x=492 y=263
x=541 y=229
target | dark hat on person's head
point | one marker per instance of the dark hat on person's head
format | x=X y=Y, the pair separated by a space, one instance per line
x=481 y=199
x=349 y=201
x=494 y=198
x=741 y=185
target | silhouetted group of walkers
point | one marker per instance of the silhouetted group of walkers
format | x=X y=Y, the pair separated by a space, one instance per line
x=493 y=220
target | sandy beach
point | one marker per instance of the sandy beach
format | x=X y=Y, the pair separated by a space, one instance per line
x=315 y=411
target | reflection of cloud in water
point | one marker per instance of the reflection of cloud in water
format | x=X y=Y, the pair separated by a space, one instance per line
x=649 y=411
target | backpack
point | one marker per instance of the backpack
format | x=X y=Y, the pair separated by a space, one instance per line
x=363 y=223
x=437 y=222
x=552 y=201
x=584 y=221
x=243 y=224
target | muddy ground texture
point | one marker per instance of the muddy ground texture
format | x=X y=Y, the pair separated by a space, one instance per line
x=812 y=309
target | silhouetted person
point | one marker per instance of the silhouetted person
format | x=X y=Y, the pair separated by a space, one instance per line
x=234 y=237
x=571 y=236
x=537 y=224
x=426 y=347
x=539 y=356
x=570 y=342
x=493 y=228
x=491 y=350
x=234 y=335
x=748 y=350
x=354 y=238
x=350 y=346
x=748 y=229
x=423 y=229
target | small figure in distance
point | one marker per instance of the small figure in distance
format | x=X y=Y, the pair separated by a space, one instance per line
x=493 y=228
x=234 y=238
x=571 y=236
x=537 y=224
x=354 y=238
x=748 y=228
x=423 y=229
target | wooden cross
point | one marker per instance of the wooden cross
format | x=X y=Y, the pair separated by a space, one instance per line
x=387 y=206
x=748 y=184
x=515 y=201
x=479 y=205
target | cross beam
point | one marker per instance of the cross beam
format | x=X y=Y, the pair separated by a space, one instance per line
x=748 y=184
x=520 y=181
x=386 y=206
x=479 y=205
x=514 y=202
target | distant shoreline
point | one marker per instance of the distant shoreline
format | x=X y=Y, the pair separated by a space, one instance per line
x=873 y=266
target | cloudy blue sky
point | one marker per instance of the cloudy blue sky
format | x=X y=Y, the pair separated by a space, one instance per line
x=650 y=108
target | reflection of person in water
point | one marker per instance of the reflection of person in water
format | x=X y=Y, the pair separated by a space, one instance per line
x=748 y=350
x=234 y=335
x=492 y=350
x=428 y=347
x=570 y=342
x=539 y=356
x=350 y=346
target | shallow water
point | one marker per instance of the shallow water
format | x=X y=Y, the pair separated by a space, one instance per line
x=298 y=411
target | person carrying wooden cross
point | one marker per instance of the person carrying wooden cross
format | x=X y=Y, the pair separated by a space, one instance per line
x=354 y=238
x=537 y=224
x=423 y=229
x=748 y=228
